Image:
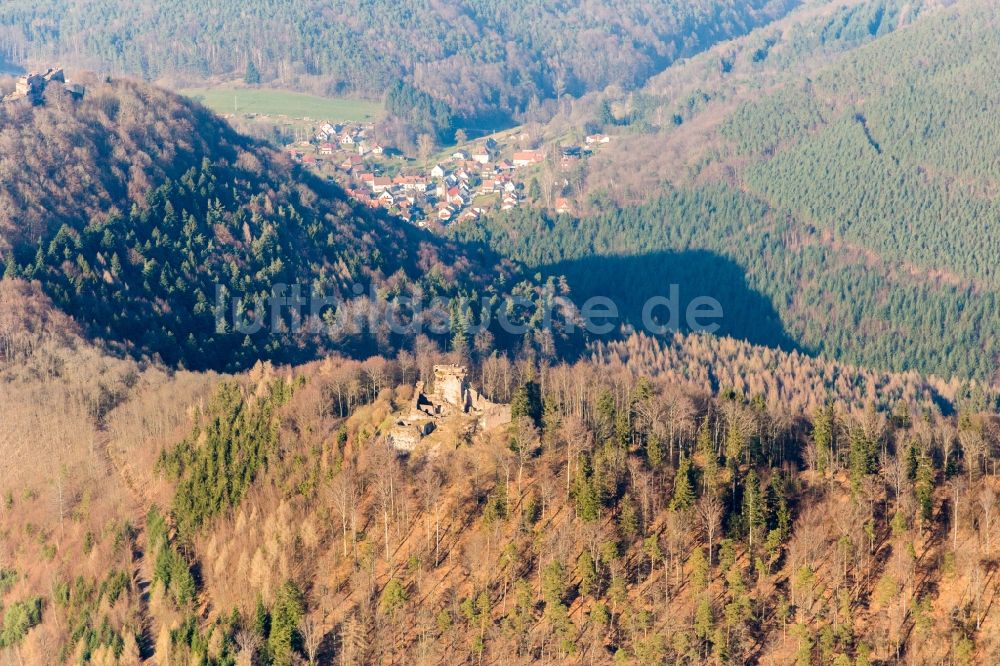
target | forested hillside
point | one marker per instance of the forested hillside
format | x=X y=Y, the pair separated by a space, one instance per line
x=487 y=60
x=856 y=196
x=144 y=209
x=800 y=383
x=625 y=516
x=817 y=484
x=779 y=284
x=687 y=106
x=902 y=162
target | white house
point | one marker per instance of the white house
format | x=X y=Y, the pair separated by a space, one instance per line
x=327 y=132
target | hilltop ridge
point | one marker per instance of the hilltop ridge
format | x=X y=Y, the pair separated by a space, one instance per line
x=144 y=205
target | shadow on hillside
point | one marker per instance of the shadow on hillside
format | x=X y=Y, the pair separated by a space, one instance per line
x=630 y=281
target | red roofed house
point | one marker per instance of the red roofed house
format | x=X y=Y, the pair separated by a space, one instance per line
x=527 y=157
x=411 y=183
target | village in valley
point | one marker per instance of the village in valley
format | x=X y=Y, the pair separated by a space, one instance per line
x=495 y=173
x=498 y=172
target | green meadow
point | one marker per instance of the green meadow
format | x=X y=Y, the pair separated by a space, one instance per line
x=266 y=101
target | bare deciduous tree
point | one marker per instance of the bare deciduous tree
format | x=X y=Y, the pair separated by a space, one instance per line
x=710 y=510
x=311 y=629
x=987 y=502
x=247 y=644
x=345 y=494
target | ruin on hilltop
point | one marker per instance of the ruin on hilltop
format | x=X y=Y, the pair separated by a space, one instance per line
x=32 y=86
x=453 y=401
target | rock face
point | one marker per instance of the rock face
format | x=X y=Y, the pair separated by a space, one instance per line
x=451 y=399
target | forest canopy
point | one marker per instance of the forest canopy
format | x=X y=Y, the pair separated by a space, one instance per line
x=485 y=59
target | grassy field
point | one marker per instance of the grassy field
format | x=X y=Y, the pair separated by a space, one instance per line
x=284 y=103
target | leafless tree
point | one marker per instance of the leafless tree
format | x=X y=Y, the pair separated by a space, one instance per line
x=974 y=448
x=987 y=502
x=525 y=441
x=710 y=510
x=958 y=487
x=576 y=438
x=431 y=482
x=345 y=495
x=894 y=473
x=247 y=644
x=311 y=629
x=384 y=464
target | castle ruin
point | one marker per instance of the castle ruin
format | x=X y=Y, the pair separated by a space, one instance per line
x=451 y=399
x=32 y=86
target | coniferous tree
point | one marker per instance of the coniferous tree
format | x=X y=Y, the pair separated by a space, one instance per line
x=704 y=620
x=527 y=402
x=285 y=617
x=683 y=496
x=699 y=569
x=711 y=483
x=822 y=437
x=655 y=453
x=585 y=495
x=586 y=571
x=252 y=75
x=755 y=511
x=862 y=457
x=923 y=487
